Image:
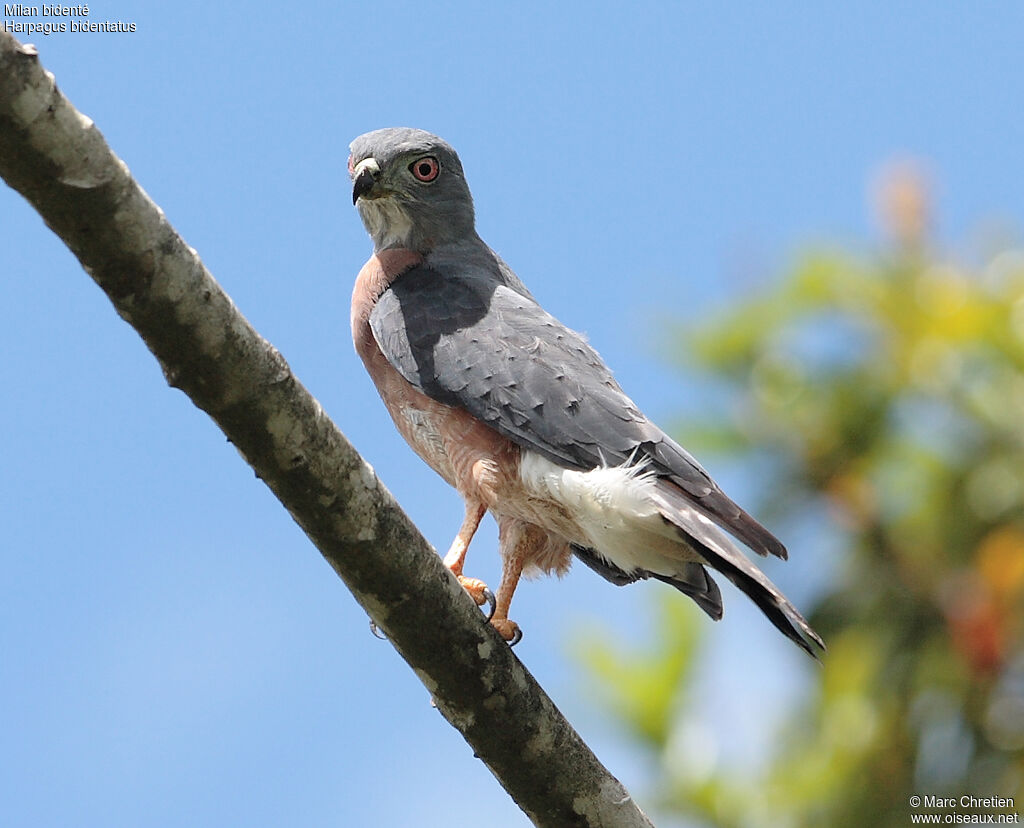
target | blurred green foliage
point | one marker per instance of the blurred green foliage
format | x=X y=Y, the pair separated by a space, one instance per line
x=887 y=389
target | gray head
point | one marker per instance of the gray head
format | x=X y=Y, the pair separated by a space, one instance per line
x=410 y=189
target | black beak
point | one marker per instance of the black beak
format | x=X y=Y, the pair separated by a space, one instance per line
x=363 y=184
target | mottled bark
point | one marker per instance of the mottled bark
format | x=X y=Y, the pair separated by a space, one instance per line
x=57 y=159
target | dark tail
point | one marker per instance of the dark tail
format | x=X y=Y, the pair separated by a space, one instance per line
x=708 y=541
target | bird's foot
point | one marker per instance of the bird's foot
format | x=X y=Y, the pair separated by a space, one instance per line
x=479 y=592
x=509 y=630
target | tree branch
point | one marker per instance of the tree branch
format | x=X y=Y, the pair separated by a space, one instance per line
x=57 y=159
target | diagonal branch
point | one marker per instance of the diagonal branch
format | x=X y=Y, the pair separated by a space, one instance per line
x=57 y=159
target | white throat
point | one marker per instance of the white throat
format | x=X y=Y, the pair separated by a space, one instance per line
x=387 y=223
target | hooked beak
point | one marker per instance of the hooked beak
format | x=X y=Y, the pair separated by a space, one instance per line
x=364 y=176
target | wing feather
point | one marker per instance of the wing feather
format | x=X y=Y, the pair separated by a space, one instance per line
x=720 y=553
x=469 y=340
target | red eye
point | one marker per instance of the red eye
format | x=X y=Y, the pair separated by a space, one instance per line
x=425 y=169
x=351 y=167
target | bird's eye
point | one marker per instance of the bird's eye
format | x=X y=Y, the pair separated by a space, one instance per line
x=351 y=167
x=425 y=169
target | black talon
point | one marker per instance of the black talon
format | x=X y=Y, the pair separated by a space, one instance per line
x=517 y=636
x=376 y=631
x=492 y=604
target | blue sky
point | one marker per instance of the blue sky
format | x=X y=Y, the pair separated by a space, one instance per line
x=172 y=649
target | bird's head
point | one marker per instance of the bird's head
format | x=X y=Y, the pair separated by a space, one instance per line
x=410 y=190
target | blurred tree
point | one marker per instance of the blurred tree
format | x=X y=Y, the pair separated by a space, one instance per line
x=888 y=390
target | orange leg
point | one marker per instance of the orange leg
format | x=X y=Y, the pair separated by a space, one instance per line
x=511 y=569
x=456 y=557
x=518 y=543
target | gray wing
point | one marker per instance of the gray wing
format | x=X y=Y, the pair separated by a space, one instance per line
x=471 y=342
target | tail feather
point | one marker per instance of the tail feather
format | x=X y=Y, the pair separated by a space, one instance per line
x=694 y=581
x=603 y=567
x=720 y=553
x=691 y=579
x=704 y=493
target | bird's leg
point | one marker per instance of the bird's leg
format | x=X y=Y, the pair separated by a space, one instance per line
x=511 y=569
x=518 y=542
x=456 y=557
